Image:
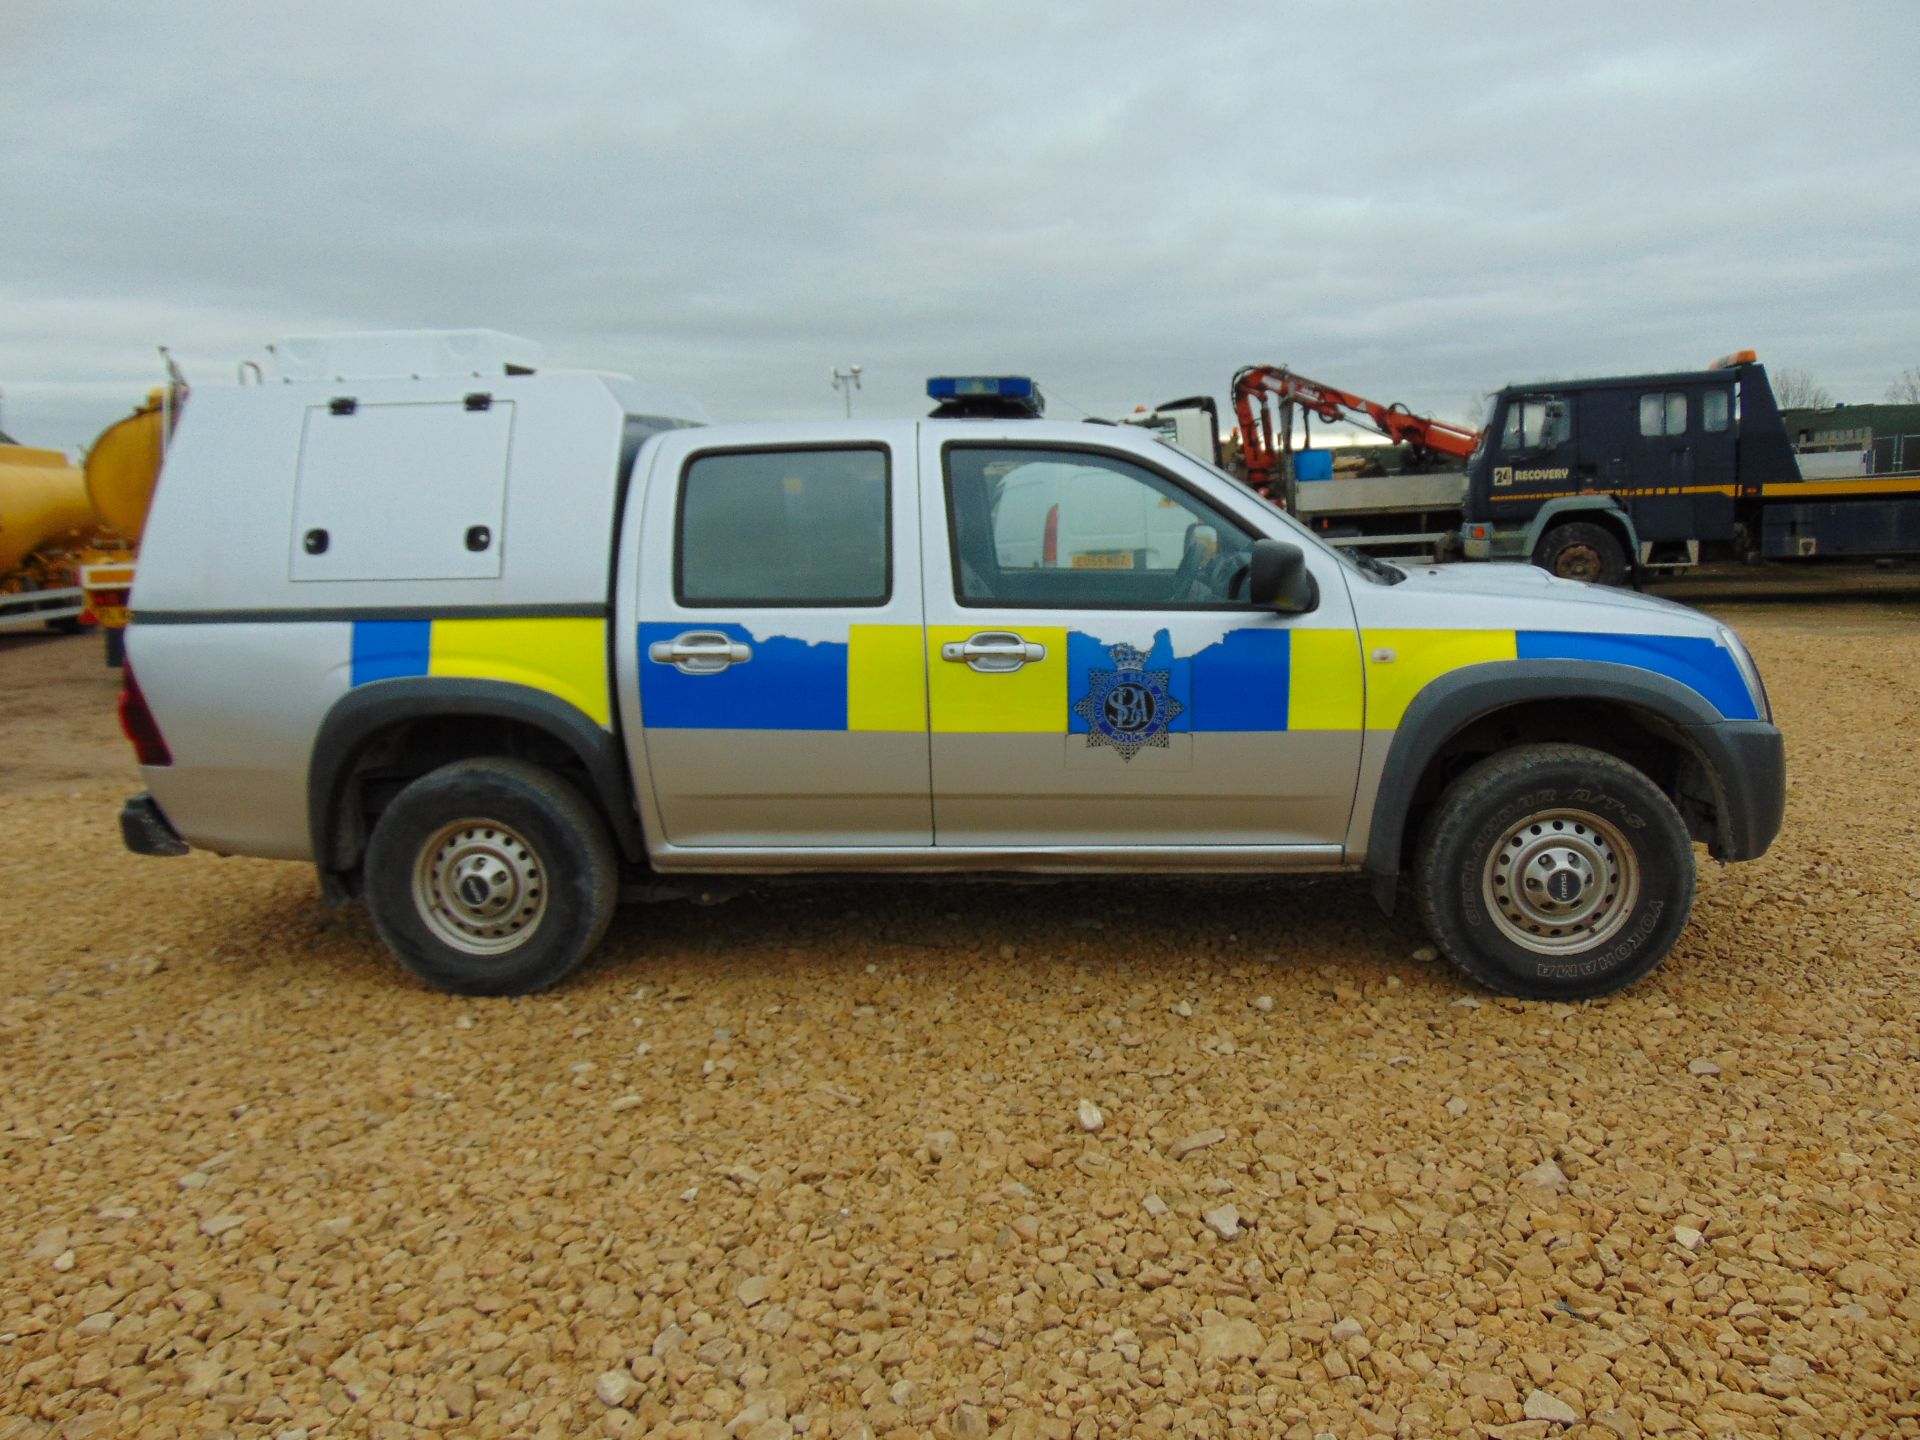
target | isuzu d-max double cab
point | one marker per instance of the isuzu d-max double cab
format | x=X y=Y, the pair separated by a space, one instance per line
x=482 y=643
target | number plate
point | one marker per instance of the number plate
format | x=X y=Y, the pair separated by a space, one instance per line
x=1104 y=560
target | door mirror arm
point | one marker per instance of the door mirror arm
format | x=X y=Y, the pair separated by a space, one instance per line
x=1278 y=578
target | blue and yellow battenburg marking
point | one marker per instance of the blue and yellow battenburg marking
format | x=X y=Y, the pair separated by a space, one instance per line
x=564 y=656
x=884 y=678
x=874 y=680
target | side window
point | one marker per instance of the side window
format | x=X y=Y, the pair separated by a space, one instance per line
x=1536 y=422
x=1663 y=413
x=1716 y=411
x=784 y=527
x=1079 y=529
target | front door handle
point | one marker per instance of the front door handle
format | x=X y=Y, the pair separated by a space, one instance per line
x=993 y=652
x=699 y=652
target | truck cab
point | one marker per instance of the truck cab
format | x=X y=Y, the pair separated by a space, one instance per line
x=523 y=640
x=1598 y=479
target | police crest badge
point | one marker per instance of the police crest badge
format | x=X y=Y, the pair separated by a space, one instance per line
x=1128 y=707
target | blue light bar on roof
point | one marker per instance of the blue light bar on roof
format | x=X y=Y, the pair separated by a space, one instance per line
x=955 y=387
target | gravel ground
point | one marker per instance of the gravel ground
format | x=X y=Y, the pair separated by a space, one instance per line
x=819 y=1159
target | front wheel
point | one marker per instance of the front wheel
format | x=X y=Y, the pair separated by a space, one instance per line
x=490 y=877
x=1582 y=551
x=1554 y=872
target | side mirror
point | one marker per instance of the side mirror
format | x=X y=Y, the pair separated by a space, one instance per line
x=1278 y=578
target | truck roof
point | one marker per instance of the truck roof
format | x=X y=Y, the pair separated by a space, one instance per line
x=1630 y=382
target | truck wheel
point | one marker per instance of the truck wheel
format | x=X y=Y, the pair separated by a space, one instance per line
x=490 y=877
x=1582 y=551
x=1554 y=872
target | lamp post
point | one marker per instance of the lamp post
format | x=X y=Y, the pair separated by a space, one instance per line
x=846 y=382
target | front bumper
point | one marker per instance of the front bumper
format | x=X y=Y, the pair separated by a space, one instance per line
x=1749 y=761
x=146 y=831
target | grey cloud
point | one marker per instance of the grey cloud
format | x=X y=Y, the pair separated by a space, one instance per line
x=1129 y=202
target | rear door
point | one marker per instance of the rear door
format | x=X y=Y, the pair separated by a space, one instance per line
x=1096 y=678
x=780 y=695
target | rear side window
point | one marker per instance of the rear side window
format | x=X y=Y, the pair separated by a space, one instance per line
x=784 y=527
x=1716 y=409
x=1663 y=413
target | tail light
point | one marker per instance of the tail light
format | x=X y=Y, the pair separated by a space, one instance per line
x=138 y=725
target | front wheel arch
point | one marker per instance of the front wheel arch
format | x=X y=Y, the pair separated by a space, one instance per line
x=1451 y=705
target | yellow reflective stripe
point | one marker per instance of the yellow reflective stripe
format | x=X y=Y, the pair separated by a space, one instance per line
x=1418 y=657
x=886 y=678
x=566 y=657
x=1032 y=699
x=1325 y=687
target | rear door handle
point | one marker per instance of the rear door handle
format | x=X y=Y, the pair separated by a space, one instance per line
x=699 y=652
x=993 y=652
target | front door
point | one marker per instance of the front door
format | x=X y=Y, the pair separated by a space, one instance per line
x=1663 y=504
x=781 y=663
x=1095 y=676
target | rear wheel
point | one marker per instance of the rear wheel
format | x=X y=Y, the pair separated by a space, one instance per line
x=1580 y=550
x=490 y=877
x=1554 y=872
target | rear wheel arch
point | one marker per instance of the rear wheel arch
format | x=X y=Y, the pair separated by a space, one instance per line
x=380 y=736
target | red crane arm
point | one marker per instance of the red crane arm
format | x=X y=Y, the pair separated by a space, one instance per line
x=1258 y=388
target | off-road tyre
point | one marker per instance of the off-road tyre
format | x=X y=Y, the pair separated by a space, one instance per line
x=1580 y=550
x=491 y=877
x=1548 y=809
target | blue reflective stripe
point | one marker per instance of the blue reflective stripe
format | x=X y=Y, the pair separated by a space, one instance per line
x=787 y=685
x=1239 y=683
x=1242 y=681
x=1699 y=663
x=388 y=649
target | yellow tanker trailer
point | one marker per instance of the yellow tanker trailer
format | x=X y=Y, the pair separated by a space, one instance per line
x=122 y=468
x=46 y=521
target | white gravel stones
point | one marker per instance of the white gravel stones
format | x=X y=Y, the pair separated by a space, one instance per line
x=752 y=1290
x=1154 y=1205
x=1551 y=1408
x=1198 y=1140
x=1688 y=1237
x=1090 y=1117
x=1457 y=1107
x=214 y=1226
x=1345 y=1330
x=1702 y=1067
x=1223 y=1220
x=1548 y=1176
x=1425 y=955
x=613 y=1387
x=1263 y=1003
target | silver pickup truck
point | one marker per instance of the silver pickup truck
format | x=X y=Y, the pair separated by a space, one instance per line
x=485 y=643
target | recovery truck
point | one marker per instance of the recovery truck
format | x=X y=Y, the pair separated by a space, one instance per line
x=1607 y=480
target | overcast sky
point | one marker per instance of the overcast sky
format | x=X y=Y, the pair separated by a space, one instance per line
x=1418 y=202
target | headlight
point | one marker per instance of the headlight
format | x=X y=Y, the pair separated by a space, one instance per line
x=1749 y=672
